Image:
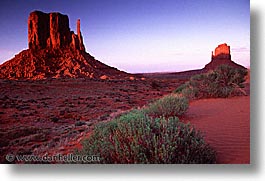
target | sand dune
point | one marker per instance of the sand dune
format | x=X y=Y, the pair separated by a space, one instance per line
x=225 y=124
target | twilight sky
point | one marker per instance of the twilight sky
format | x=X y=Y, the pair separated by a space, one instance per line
x=140 y=35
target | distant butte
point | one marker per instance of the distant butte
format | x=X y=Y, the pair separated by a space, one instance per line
x=221 y=56
x=55 y=51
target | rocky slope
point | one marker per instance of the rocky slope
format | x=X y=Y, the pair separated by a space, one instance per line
x=55 y=63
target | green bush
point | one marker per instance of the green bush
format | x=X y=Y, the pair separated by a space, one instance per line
x=225 y=81
x=181 y=88
x=229 y=75
x=138 y=138
x=170 y=105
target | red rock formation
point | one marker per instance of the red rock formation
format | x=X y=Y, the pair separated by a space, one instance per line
x=52 y=31
x=221 y=56
x=59 y=31
x=55 y=51
x=38 y=30
x=79 y=35
x=222 y=49
x=222 y=52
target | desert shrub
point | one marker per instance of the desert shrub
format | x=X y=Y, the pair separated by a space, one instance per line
x=230 y=75
x=225 y=81
x=170 y=105
x=180 y=88
x=190 y=92
x=138 y=138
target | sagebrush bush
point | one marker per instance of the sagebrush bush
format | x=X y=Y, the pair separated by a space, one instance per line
x=181 y=88
x=170 y=105
x=224 y=81
x=138 y=138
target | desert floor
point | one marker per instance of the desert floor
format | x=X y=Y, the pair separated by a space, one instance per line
x=53 y=116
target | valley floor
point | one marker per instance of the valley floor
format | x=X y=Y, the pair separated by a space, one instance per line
x=53 y=116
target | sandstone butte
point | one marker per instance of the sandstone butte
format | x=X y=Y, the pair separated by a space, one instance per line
x=220 y=56
x=55 y=51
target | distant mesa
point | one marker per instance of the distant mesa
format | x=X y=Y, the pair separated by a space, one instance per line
x=220 y=56
x=55 y=51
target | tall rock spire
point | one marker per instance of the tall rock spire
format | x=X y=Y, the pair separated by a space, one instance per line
x=79 y=35
x=78 y=28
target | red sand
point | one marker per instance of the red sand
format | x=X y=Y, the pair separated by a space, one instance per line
x=225 y=123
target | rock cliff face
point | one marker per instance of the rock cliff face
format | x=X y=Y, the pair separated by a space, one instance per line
x=222 y=49
x=55 y=51
x=52 y=31
x=221 y=56
x=222 y=52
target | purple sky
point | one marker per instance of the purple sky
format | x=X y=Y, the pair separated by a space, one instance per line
x=140 y=35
